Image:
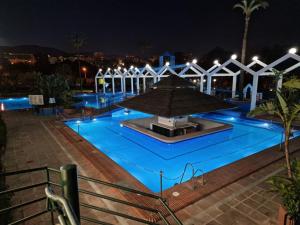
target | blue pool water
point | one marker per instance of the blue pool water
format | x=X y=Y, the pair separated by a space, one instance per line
x=99 y=101
x=85 y=100
x=144 y=157
x=15 y=103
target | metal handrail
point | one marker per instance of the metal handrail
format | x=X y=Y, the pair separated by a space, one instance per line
x=194 y=172
x=66 y=207
x=118 y=200
x=119 y=187
x=131 y=190
x=111 y=212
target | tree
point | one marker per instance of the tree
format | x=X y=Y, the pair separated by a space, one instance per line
x=53 y=86
x=77 y=42
x=286 y=107
x=247 y=7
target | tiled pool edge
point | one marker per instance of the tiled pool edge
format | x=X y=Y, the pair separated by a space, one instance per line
x=216 y=179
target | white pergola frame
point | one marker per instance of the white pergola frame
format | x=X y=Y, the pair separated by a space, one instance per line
x=217 y=70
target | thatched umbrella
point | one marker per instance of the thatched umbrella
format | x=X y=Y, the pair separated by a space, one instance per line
x=174 y=96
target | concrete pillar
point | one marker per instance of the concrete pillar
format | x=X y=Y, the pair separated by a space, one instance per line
x=104 y=86
x=137 y=85
x=201 y=84
x=208 y=88
x=254 y=92
x=144 y=84
x=124 y=89
x=122 y=85
x=113 y=85
x=96 y=85
x=132 y=89
x=233 y=91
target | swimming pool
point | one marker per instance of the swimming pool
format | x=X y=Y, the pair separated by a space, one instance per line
x=144 y=157
x=15 y=103
x=100 y=100
x=86 y=100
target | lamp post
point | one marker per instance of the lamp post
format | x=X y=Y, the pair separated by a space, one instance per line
x=84 y=69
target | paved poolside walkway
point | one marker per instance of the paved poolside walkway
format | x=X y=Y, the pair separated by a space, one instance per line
x=32 y=144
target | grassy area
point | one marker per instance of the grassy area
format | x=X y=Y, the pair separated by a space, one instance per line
x=4 y=200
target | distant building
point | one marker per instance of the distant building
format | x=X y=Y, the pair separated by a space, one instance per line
x=166 y=57
x=18 y=58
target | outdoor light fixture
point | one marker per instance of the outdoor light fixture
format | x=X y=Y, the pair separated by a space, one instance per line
x=255 y=58
x=147 y=65
x=194 y=61
x=175 y=194
x=108 y=69
x=234 y=57
x=115 y=70
x=119 y=68
x=215 y=80
x=216 y=62
x=187 y=63
x=167 y=63
x=293 y=50
x=100 y=70
x=204 y=80
x=131 y=67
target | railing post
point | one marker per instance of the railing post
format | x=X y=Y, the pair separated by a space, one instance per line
x=70 y=186
x=48 y=185
x=161 y=184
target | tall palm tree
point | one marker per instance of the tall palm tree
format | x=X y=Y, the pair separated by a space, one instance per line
x=287 y=108
x=248 y=7
x=77 y=42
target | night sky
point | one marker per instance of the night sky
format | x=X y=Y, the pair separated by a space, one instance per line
x=117 y=26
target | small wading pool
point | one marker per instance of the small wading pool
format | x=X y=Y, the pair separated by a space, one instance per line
x=144 y=157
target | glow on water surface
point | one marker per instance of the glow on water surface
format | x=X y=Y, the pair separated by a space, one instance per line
x=87 y=100
x=15 y=103
x=144 y=157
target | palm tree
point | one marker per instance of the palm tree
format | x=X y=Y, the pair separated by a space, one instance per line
x=248 y=7
x=77 y=42
x=287 y=108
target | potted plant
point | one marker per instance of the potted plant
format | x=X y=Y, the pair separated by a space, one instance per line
x=286 y=107
x=289 y=192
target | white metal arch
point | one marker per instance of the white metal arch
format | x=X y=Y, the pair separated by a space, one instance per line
x=217 y=70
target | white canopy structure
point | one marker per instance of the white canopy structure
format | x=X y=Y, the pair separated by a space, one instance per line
x=193 y=70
